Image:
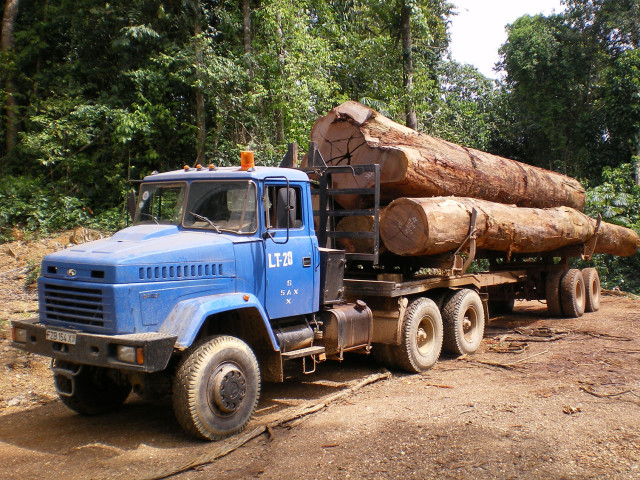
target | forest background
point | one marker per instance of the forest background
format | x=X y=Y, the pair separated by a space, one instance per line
x=95 y=94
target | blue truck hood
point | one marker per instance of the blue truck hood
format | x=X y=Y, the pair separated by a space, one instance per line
x=146 y=253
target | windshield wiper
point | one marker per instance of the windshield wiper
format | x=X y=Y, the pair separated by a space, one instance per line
x=150 y=216
x=205 y=219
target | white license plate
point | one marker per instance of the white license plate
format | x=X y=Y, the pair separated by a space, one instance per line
x=61 y=337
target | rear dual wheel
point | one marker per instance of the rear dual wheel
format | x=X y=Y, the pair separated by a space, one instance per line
x=592 y=289
x=463 y=320
x=572 y=293
x=421 y=341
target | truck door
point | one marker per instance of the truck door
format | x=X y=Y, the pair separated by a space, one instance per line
x=289 y=258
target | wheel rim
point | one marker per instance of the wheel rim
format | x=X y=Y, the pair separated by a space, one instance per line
x=227 y=388
x=425 y=335
x=470 y=324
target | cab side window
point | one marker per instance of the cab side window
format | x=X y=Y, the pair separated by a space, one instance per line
x=283 y=207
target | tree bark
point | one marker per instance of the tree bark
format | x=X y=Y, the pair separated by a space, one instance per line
x=407 y=66
x=415 y=164
x=429 y=226
x=7 y=42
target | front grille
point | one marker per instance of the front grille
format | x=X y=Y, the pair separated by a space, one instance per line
x=83 y=306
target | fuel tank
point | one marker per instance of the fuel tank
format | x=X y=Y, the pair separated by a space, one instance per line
x=346 y=327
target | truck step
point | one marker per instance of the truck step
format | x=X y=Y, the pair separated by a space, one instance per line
x=303 y=352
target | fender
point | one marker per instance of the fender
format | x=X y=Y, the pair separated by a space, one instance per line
x=186 y=318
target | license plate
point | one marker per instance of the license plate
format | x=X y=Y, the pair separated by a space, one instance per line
x=61 y=337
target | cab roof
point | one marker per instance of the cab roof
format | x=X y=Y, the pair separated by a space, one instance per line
x=227 y=173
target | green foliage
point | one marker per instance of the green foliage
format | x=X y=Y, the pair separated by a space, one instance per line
x=32 y=274
x=617 y=199
x=571 y=88
x=33 y=206
x=465 y=106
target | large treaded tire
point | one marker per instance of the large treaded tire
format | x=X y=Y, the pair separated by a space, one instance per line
x=216 y=388
x=552 y=293
x=572 y=293
x=463 y=321
x=96 y=390
x=421 y=337
x=592 y=289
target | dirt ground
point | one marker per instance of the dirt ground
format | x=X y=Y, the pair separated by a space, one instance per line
x=543 y=398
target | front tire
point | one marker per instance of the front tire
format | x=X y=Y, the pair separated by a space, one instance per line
x=216 y=388
x=89 y=390
x=421 y=337
x=463 y=320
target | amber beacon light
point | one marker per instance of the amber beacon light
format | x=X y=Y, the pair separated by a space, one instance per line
x=246 y=160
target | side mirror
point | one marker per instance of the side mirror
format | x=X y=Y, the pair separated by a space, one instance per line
x=131 y=204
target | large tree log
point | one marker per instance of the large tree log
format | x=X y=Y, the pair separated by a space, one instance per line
x=428 y=226
x=357 y=224
x=416 y=164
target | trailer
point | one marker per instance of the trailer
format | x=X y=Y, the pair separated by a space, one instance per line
x=229 y=273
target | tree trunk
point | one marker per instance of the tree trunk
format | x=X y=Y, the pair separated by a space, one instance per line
x=7 y=42
x=429 y=226
x=279 y=100
x=246 y=34
x=201 y=130
x=415 y=164
x=407 y=66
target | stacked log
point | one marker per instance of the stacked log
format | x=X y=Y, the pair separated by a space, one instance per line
x=414 y=164
x=521 y=208
x=429 y=226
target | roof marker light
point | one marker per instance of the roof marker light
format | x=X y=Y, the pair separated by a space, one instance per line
x=212 y=167
x=186 y=168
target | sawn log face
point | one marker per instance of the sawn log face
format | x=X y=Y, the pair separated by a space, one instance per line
x=428 y=226
x=416 y=164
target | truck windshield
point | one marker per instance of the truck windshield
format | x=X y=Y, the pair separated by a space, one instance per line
x=222 y=206
x=160 y=204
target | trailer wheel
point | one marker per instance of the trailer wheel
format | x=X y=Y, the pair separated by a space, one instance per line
x=552 y=293
x=216 y=388
x=463 y=320
x=421 y=337
x=89 y=390
x=572 y=293
x=592 y=289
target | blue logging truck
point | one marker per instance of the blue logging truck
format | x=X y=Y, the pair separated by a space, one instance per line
x=225 y=275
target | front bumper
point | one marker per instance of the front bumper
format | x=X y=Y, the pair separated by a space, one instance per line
x=94 y=349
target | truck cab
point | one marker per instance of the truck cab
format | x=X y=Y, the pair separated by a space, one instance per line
x=215 y=255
